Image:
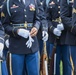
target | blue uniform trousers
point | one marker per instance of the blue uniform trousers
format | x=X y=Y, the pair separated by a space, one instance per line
x=4 y=68
x=30 y=60
x=64 y=53
x=5 y=52
x=73 y=54
x=50 y=49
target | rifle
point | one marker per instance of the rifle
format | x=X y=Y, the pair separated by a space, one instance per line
x=9 y=66
x=44 y=63
x=52 y=60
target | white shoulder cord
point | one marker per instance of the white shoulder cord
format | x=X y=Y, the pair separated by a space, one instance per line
x=47 y=1
x=8 y=8
x=68 y=1
x=57 y=0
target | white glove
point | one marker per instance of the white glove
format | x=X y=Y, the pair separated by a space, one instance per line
x=1 y=49
x=24 y=33
x=7 y=43
x=29 y=42
x=60 y=26
x=57 y=32
x=45 y=36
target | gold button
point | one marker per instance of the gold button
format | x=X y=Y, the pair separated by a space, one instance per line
x=15 y=11
x=41 y=3
x=25 y=15
x=59 y=12
x=50 y=7
x=25 y=10
x=58 y=6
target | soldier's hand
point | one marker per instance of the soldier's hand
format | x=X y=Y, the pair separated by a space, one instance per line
x=23 y=33
x=57 y=32
x=29 y=42
x=33 y=32
x=60 y=26
x=44 y=36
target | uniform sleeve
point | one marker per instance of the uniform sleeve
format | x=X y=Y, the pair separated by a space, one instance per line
x=65 y=15
x=40 y=17
x=49 y=19
x=73 y=29
x=44 y=22
x=1 y=34
x=5 y=19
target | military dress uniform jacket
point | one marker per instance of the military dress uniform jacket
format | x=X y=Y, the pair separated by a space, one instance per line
x=68 y=36
x=53 y=17
x=30 y=12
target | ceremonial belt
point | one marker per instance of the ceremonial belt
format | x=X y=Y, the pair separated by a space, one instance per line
x=57 y=20
x=24 y=25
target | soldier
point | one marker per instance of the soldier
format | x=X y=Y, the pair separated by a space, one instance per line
x=40 y=33
x=21 y=20
x=73 y=30
x=68 y=38
x=55 y=29
x=3 y=67
x=54 y=21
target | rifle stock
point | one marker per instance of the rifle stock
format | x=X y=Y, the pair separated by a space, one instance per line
x=44 y=58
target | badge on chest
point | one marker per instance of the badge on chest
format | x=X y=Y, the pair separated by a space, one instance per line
x=14 y=6
x=32 y=7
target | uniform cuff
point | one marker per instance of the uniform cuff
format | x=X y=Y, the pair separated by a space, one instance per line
x=14 y=31
x=73 y=29
x=1 y=40
x=44 y=25
x=37 y=25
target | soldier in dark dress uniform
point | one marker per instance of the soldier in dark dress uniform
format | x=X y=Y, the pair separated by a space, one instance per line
x=42 y=31
x=3 y=67
x=73 y=31
x=56 y=27
x=67 y=40
x=21 y=20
